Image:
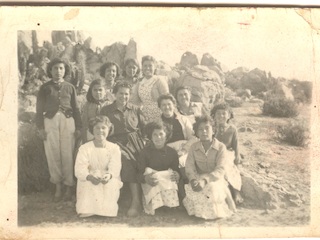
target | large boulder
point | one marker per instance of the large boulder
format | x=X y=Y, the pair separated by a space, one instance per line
x=301 y=90
x=212 y=63
x=131 y=50
x=116 y=53
x=233 y=78
x=207 y=86
x=172 y=74
x=256 y=80
x=189 y=60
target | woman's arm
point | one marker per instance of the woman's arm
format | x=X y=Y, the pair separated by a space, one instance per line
x=40 y=108
x=235 y=146
x=161 y=86
x=134 y=97
x=81 y=168
x=188 y=133
x=142 y=164
x=85 y=122
x=191 y=170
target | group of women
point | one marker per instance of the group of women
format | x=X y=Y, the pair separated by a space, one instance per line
x=170 y=155
x=164 y=147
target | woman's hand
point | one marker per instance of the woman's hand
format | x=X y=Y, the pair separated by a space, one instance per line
x=42 y=134
x=93 y=180
x=182 y=152
x=151 y=180
x=174 y=177
x=237 y=160
x=77 y=134
x=196 y=185
x=106 y=178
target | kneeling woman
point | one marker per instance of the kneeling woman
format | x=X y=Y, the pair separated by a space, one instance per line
x=158 y=170
x=207 y=194
x=97 y=169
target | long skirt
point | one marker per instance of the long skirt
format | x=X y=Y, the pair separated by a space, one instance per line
x=232 y=172
x=129 y=154
x=210 y=203
x=165 y=193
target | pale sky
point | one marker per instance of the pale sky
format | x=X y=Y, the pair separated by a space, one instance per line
x=276 y=40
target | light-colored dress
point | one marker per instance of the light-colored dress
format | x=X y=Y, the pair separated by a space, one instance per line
x=150 y=108
x=98 y=199
x=210 y=202
x=165 y=193
x=229 y=136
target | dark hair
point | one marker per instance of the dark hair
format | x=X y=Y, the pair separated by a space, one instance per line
x=148 y=58
x=121 y=84
x=100 y=119
x=57 y=61
x=157 y=125
x=127 y=62
x=89 y=96
x=165 y=97
x=107 y=65
x=202 y=119
x=182 y=88
x=222 y=106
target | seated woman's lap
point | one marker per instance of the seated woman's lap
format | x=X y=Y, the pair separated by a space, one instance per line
x=128 y=170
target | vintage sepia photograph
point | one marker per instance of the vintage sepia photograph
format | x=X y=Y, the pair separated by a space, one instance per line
x=162 y=118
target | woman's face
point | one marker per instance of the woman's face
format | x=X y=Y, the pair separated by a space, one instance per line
x=110 y=75
x=57 y=71
x=158 y=138
x=205 y=132
x=131 y=70
x=148 y=68
x=167 y=107
x=183 y=97
x=98 y=92
x=100 y=131
x=221 y=116
x=122 y=95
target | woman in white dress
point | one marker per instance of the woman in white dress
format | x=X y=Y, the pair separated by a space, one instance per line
x=97 y=169
x=149 y=89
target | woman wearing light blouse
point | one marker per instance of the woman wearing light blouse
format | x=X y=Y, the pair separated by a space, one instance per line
x=207 y=194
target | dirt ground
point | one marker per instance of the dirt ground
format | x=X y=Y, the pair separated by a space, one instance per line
x=290 y=165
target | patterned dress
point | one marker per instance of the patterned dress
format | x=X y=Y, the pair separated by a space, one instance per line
x=150 y=108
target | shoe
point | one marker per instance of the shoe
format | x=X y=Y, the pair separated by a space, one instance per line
x=133 y=212
x=67 y=196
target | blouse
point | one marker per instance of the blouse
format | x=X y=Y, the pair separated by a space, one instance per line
x=229 y=137
x=209 y=165
x=124 y=122
x=157 y=159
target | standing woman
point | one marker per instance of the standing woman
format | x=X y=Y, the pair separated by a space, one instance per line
x=149 y=89
x=110 y=72
x=128 y=122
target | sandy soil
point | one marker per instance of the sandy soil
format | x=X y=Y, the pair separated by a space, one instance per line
x=290 y=165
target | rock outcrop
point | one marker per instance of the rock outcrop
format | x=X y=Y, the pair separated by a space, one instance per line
x=206 y=85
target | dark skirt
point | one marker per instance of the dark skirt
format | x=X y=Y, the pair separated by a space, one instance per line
x=129 y=155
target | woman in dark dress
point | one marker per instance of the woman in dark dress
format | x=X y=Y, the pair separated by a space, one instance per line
x=128 y=122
